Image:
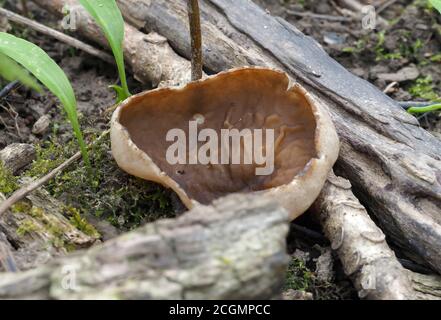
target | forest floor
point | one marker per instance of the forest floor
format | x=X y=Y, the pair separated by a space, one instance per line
x=403 y=59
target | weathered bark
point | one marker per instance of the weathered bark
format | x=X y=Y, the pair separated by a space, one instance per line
x=427 y=287
x=16 y=156
x=361 y=245
x=234 y=249
x=393 y=164
x=36 y=231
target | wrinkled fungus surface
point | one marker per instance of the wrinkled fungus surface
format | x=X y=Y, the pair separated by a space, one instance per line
x=242 y=99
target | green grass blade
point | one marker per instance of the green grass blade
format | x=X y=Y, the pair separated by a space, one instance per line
x=37 y=62
x=11 y=71
x=108 y=16
x=431 y=108
x=436 y=4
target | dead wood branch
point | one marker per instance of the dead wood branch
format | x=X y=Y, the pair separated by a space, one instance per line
x=235 y=249
x=37 y=231
x=360 y=244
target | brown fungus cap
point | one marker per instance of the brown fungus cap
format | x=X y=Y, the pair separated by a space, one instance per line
x=306 y=145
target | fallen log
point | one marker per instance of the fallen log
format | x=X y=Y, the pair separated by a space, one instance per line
x=393 y=164
x=234 y=249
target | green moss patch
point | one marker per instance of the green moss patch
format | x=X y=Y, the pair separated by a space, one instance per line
x=8 y=182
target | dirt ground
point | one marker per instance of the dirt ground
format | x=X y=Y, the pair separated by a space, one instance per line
x=411 y=43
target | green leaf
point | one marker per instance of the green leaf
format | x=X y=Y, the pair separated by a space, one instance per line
x=36 y=61
x=436 y=4
x=120 y=94
x=108 y=16
x=11 y=71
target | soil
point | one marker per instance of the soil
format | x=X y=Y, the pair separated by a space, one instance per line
x=412 y=42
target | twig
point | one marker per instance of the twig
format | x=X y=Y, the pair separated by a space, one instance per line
x=14 y=115
x=11 y=86
x=357 y=7
x=361 y=245
x=196 y=39
x=24 y=191
x=319 y=16
x=385 y=5
x=56 y=34
x=353 y=5
x=2 y=121
x=390 y=87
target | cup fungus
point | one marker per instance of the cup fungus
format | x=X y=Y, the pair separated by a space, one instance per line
x=305 y=145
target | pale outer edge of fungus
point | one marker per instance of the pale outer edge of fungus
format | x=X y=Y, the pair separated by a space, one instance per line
x=296 y=197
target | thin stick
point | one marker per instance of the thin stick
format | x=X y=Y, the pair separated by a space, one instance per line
x=318 y=16
x=386 y=5
x=8 y=88
x=196 y=39
x=390 y=87
x=56 y=34
x=24 y=191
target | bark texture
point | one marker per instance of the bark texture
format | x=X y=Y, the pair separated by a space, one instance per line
x=36 y=231
x=234 y=249
x=361 y=245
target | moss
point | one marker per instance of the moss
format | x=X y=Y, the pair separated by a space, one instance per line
x=49 y=156
x=8 y=182
x=108 y=193
x=21 y=207
x=358 y=47
x=407 y=48
x=381 y=52
x=423 y=88
x=27 y=226
x=81 y=223
x=436 y=58
x=39 y=221
x=299 y=277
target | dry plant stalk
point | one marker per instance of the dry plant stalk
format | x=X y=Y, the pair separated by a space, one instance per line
x=196 y=39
